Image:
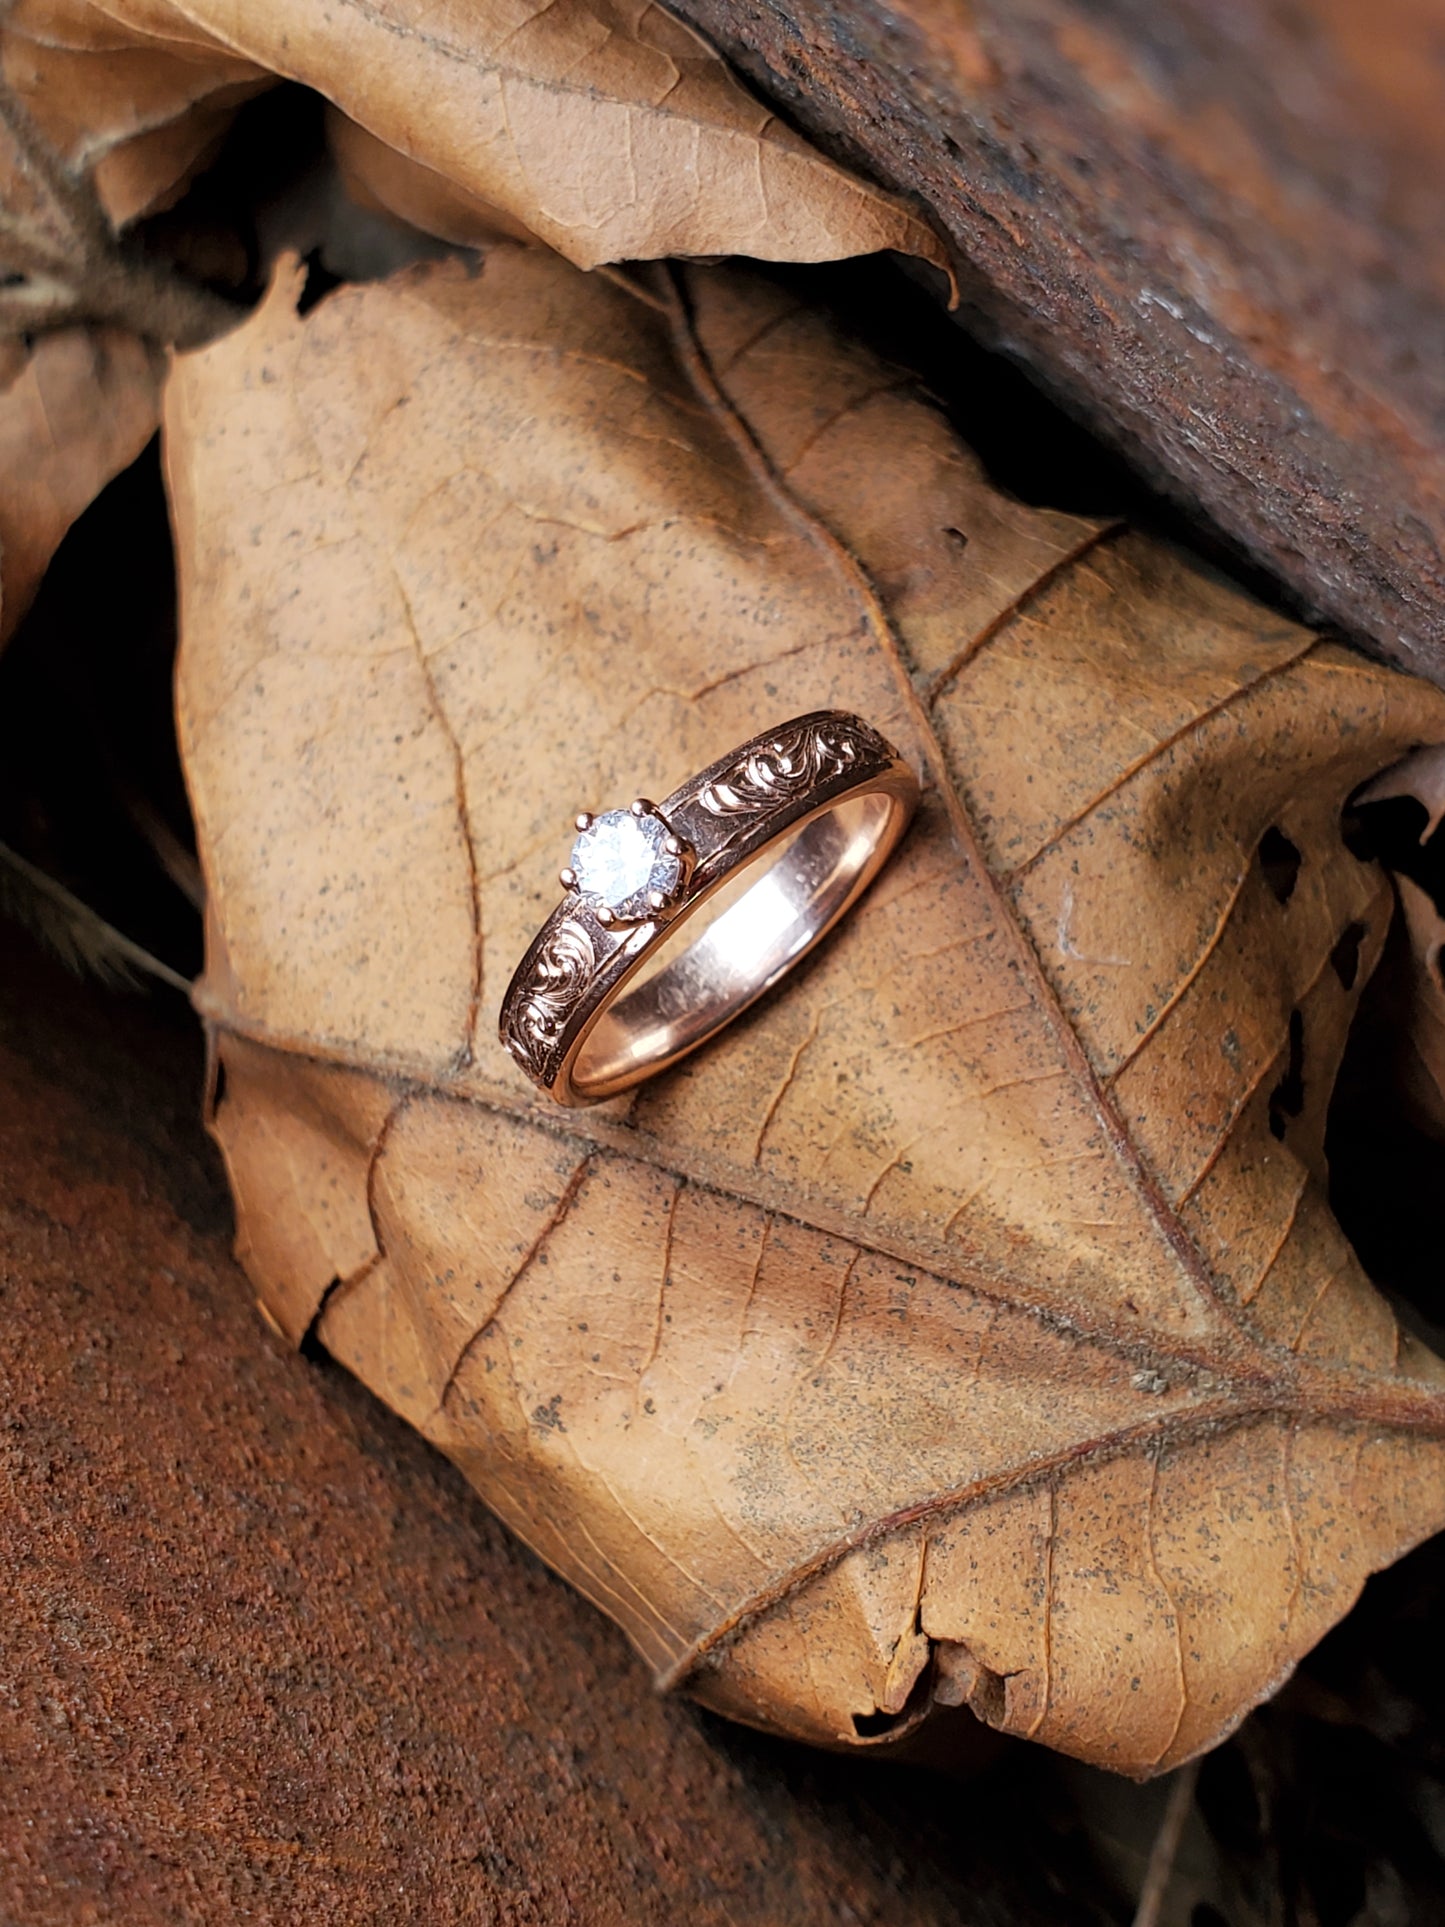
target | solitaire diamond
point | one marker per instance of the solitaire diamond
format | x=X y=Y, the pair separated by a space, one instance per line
x=621 y=859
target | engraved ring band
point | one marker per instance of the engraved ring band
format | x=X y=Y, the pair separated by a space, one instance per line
x=773 y=843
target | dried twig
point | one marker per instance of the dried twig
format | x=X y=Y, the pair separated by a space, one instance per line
x=1165 y=1850
x=77 y=935
x=179 y=863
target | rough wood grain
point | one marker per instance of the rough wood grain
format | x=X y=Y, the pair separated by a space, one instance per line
x=263 y=1657
x=1215 y=232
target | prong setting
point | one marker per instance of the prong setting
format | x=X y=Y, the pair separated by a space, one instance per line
x=628 y=866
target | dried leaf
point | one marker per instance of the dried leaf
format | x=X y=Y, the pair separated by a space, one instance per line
x=81 y=406
x=609 y=132
x=966 y=1326
x=605 y=127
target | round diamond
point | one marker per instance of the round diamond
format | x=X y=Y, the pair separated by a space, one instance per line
x=620 y=859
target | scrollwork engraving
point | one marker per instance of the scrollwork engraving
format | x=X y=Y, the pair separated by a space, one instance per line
x=787 y=766
x=561 y=973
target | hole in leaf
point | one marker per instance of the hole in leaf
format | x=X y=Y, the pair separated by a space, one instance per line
x=1345 y=957
x=1361 y=831
x=1287 y=1099
x=13 y=278
x=1204 y=1914
x=1280 y=860
x=1389 y=832
x=957 y=537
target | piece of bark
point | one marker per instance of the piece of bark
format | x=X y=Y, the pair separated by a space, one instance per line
x=1214 y=232
x=991 y=1254
x=263 y=1656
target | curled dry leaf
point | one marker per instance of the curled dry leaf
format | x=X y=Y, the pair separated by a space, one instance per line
x=605 y=127
x=80 y=406
x=609 y=130
x=966 y=1326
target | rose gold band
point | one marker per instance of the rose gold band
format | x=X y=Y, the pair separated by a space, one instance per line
x=611 y=991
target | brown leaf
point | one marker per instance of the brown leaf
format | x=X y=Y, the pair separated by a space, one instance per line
x=609 y=132
x=967 y=1325
x=606 y=127
x=81 y=406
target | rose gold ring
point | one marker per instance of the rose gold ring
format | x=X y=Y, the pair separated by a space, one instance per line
x=798 y=822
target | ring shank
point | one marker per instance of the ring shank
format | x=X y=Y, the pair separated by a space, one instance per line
x=792 y=900
x=775 y=842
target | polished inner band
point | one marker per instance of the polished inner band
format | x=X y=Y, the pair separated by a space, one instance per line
x=682 y=1000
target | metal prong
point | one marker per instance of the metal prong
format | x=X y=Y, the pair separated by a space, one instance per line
x=605 y=916
x=673 y=845
x=567 y=879
x=642 y=807
x=583 y=819
x=656 y=900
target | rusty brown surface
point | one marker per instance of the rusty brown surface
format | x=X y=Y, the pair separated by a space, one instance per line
x=1216 y=232
x=262 y=1654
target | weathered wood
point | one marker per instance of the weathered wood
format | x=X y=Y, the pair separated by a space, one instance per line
x=1215 y=232
x=262 y=1654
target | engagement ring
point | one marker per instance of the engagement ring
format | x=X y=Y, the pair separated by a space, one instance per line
x=772 y=844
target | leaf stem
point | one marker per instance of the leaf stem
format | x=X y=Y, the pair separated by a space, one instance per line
x=1165 y=1851
x=78 y=935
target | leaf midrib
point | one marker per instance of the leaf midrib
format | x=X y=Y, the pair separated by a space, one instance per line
x=1285 y=1380
x=694 y=361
